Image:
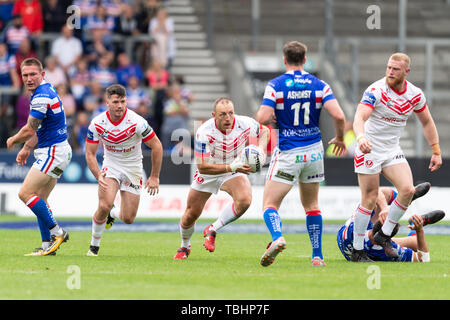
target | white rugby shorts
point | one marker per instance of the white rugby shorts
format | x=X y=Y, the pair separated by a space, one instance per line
x=129 y=179
x=377 y=159
x=53 y=160
x=303 y=164
x=212 y=183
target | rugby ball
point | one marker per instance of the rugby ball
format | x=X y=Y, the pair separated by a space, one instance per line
x=253 y=156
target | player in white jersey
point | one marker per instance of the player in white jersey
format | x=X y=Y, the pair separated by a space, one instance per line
x=378 y=124
x=218 y=145
x=121 y=131
x=46 y=128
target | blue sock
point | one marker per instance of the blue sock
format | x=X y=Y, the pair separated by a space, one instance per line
x=45 y=232
x=314 y=225
x=42 y=211
x=273 y=222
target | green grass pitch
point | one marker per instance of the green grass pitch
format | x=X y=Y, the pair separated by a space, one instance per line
x=140 y=266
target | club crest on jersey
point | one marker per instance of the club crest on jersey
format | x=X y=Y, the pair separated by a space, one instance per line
x=390 y=103
x=104 y=134
x=369 y=163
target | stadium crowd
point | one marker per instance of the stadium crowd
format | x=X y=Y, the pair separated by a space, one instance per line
x=84 y=54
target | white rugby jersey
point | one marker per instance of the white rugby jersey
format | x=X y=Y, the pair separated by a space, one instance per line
x=391 y=110
x=223 y=147
x=121 y=140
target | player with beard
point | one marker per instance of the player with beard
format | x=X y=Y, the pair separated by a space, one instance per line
x=378 y=125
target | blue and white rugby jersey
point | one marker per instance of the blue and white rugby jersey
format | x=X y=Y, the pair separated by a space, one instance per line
x=297 y=98
x=46 y=106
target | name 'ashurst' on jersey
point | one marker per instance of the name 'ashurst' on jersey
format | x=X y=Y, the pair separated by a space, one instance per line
x=297 y=98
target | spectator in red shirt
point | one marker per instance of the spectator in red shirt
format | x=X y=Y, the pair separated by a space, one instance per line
x=31 y=12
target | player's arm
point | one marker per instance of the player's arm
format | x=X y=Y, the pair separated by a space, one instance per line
x=335 y=111
x=152 y=184
x=24 y=153
x=265 y=114
x=204 y=167
x=363 y=113
x=431 y=134
x=91 y=158
x=25 y=133
x=264 y=137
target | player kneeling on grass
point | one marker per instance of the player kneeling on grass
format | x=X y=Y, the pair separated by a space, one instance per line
x=412 y=248
x=218 y=146
x=121 y=131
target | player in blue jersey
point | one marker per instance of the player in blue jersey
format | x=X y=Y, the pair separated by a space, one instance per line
x=295 y=100
x=412 y=248
x=46 y=128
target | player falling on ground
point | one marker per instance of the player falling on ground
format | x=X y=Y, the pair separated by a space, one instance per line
x=218 y=145
x=46 y=128
x=295 y=99
x=378 y=124
x=121 y=131
x=412 y=248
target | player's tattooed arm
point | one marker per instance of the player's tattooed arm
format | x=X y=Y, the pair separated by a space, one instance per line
x=34 y=123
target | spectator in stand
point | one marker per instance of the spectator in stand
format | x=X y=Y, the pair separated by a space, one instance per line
x=146 y=11
x=127 y=24
x=54 y=15
x=69 y=104
x=101 y=20
x=138 y=99
x=15 y=33
x=87 y=9
x=93 y=100
x=79 y=132
x=80 y=82
x=161 y=28
x=113 y=8
x=53 y=73
x=186 y=93
x=97 y=47
x=25 y=51
x=158 y=80
x=102 y=73
x=8 y=71
x=67 y=49
x=126 y=69
x=31 y=12
x=8 y=78
x=22 y=108
x=6 y=7
x=176 y=116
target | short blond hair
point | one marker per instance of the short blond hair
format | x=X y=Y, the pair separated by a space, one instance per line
x=222 y=100
x=399 y=56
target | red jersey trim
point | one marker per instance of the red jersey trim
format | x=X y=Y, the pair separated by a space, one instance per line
x=118 y=122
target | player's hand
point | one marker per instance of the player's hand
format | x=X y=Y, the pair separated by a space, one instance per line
x=264 y=156
x=246 y=169
x=435 y=162
x=152 y=186
x=382 y=216
x=339 y=146
x=22 y=157
x=102 y=181
x=364 y=145
x=417 y=222
x=10 y=143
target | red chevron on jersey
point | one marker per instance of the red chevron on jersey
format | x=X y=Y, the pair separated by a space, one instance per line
x=116 y=138
x=401 y=109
